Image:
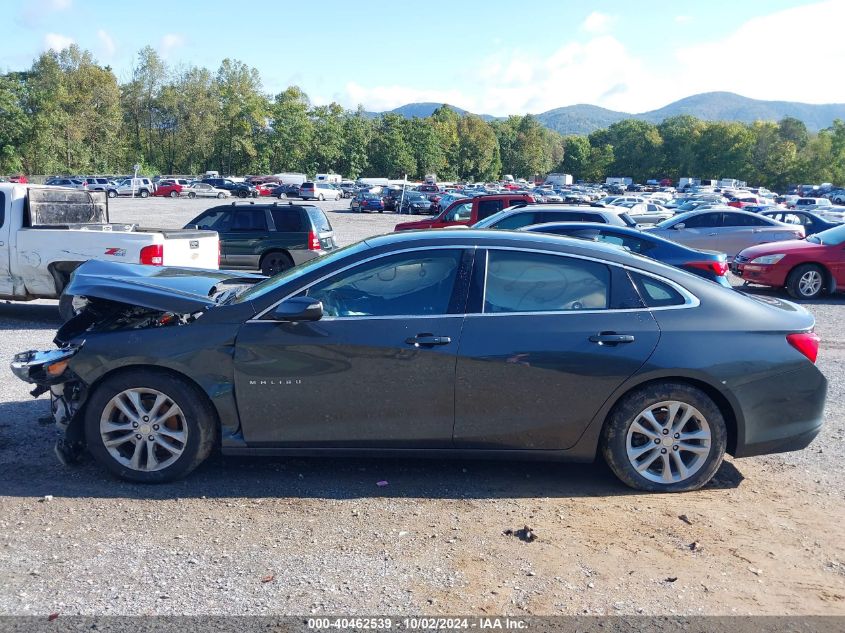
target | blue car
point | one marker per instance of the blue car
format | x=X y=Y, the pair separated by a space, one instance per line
x=812 y=222
x=708 y=264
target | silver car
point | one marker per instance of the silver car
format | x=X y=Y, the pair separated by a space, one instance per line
x=204 y=190
x=727 y=231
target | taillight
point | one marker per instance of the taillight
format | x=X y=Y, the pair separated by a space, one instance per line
x=805 y=342
x=719 y=268
x=313 y=242
x=153 y=255
x=219 y=253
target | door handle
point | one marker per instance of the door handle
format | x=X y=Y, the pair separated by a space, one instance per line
x=427 y=340
x=611 y=338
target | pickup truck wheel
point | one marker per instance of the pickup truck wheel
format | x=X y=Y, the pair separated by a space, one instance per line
x=112 y=193
x=144 y=193
x=66 y=312
x=219 y=195
x=174 y=194
x=148 y=426
x=275 y=262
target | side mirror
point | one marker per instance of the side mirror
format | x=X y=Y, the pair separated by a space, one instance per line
x=679 y=226
x=298 y=309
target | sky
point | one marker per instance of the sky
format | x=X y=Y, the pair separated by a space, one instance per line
x=487 y=56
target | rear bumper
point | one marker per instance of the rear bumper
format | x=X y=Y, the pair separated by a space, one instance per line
x=302 y=255
x=782 y=413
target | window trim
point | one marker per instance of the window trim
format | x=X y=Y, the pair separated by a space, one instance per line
x=690 y=300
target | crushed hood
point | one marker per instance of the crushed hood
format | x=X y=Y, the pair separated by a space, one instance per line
x=170 y=289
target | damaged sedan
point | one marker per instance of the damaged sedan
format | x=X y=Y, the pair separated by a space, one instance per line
x=445 y=343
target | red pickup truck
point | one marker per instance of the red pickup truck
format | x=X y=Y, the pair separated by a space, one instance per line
x=468 y=211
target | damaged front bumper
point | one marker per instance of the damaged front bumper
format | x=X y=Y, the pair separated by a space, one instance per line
x=49 y=371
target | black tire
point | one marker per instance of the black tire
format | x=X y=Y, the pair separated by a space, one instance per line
x=283 y=196
x=798 y=284
x=174 y=194
x=199 y=416
x=275 y=262
x=66 y=308
x=220 y=195
x=144 y=193
x=242 y=194
x=614 y=437
x=112 y=193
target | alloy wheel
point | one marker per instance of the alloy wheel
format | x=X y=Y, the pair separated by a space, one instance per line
x=143 y=429
x=810 y=283
x=668 y=442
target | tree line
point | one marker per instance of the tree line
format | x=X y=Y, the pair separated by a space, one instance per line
x=67 y=114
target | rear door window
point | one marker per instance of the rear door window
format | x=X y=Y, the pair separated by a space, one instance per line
x=215 y=220
x=319 y=220
x=249 y=220
x=287 y=220
x=486 y=208
x=517 y=220
x=705 y=220
x=538 y=282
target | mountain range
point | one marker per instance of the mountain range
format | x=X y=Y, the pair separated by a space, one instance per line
x=709 y=106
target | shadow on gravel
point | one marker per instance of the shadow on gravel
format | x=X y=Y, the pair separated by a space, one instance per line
x=30 y=469
x=765 y=291
x=29 y=316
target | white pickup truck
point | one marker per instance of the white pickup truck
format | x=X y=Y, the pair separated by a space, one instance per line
x=46 y=232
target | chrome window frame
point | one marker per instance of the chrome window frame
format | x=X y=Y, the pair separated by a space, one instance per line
x=690 y=300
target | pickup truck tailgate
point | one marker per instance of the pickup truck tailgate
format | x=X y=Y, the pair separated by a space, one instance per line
x=193 y=249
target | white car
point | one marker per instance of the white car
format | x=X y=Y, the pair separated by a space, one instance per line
x=648 y=212
x=204 y=190
x=141 y=187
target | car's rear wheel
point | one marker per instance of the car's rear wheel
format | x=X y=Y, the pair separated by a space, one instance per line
x=275 y=262
x=221 y=195
x=242 y=194
x=283 y=196
x=192 y=195
x=148 y=426
x=144 y=193
x=174 y=194
x=665 y=437
x=112 y=193
x=805 y=282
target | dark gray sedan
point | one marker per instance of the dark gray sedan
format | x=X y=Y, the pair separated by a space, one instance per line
x=446 y=343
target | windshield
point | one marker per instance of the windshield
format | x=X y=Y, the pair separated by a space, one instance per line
x=268 y=285
x=830 y=237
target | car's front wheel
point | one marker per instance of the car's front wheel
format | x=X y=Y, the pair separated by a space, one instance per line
x=665 y=437
x=144 y=193
x=221 y=195
x=174 y=194
x=149 y=426
x=112 y=193
x=805 y=282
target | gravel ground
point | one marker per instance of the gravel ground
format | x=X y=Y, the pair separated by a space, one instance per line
x=300 y=536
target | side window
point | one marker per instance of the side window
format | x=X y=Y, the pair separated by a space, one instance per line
x=705 y=220
x=215 y=220
x=591 y=217
x=738 y=219
x=515 y=221
x=414 y=284
x=656 y=294
x=513 y=201
x=537 y=282
x=459 y=213
x=3 y=209
x=249 y=220
x=287 y=220
x=486 y=208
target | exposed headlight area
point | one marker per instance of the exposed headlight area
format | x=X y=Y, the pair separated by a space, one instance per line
x=43 y=368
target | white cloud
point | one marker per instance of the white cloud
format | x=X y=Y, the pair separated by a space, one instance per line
x=599 y=69
x=57 y=42
x=170 y=42
x=106 y=43
x=683 y=19
x=597 y=22
x=752 y=62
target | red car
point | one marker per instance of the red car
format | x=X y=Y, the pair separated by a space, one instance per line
x=19 y=178
x=467 y=211
x=266 y=189
x=168 y=189
x=806 y=268
x=744 y=201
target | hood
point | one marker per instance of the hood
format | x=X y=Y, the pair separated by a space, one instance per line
x=182 y=290
x=786 y=247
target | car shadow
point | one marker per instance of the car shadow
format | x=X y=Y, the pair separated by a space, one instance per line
x=778 y=293
x=29 y=316
x=32 y=470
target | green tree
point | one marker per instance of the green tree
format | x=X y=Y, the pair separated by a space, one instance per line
x=478 y=154
x=637 y=148
x=425 y=146
x=576 y=155
x=14 y=124
x=327 y=142
x=244 y=111
x=792 y=129
x=681 y=135
x=390 y=154
x=357 y=134
x=725 y=151
x=292 y=131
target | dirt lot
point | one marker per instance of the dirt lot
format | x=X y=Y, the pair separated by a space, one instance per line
x=284 y=536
